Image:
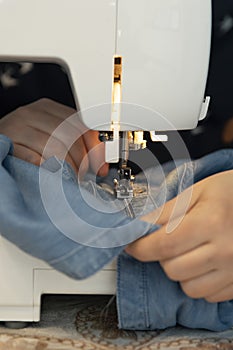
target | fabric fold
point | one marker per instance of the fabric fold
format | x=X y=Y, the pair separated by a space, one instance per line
x=146 y=298
x=78 y=242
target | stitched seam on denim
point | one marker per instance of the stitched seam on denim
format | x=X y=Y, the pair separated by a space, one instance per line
x=65 y=168
x=73 y=252
x=94 y=190
x=152 y=200
x=67 y=173
x=94 y=239
x=65 y=256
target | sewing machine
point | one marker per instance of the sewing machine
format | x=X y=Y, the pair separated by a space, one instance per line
x=134 y=65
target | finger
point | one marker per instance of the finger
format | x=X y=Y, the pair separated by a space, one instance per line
x=193 y=264
x=224 y=294
x=184 y=238
x=78 y=153
x=51 y=118
x=64 y=131
x=55 y=147
x=96 y=153
x=27 y=154
x=34 y=140
x=49 y=123
x=64 y=124
x=62 y=112
x=37 y=142
x=174 y=210
x=208 y=284
x=35 y=158
x=47 y=106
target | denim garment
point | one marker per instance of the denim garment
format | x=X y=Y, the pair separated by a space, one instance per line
x=146 y=298
x=81 y=240
x=25 y=222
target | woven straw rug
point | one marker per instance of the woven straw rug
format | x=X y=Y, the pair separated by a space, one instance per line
x=84 y=322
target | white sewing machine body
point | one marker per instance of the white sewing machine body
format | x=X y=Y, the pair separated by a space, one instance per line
x=25 y=279
x=164 y=46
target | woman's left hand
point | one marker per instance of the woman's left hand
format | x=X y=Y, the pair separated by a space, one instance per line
x=198 y=252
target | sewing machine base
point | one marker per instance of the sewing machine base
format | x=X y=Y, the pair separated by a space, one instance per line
x=25 y=279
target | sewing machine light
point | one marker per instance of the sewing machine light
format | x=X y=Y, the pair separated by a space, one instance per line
x=116 y=90
x=112 y=146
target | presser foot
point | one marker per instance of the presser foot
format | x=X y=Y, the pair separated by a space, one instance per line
x=123 y=189
x=124 y=186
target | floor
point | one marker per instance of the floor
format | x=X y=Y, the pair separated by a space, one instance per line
x=84 y=322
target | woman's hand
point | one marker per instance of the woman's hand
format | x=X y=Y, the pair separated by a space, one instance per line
x=198 y=252
x=32 y=126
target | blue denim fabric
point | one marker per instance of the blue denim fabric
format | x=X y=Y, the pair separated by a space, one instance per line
x=25 y=222
x=146 y=298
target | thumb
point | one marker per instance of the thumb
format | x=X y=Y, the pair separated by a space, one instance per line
x=173 y=211
x=177 y=216
x=96 y=152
